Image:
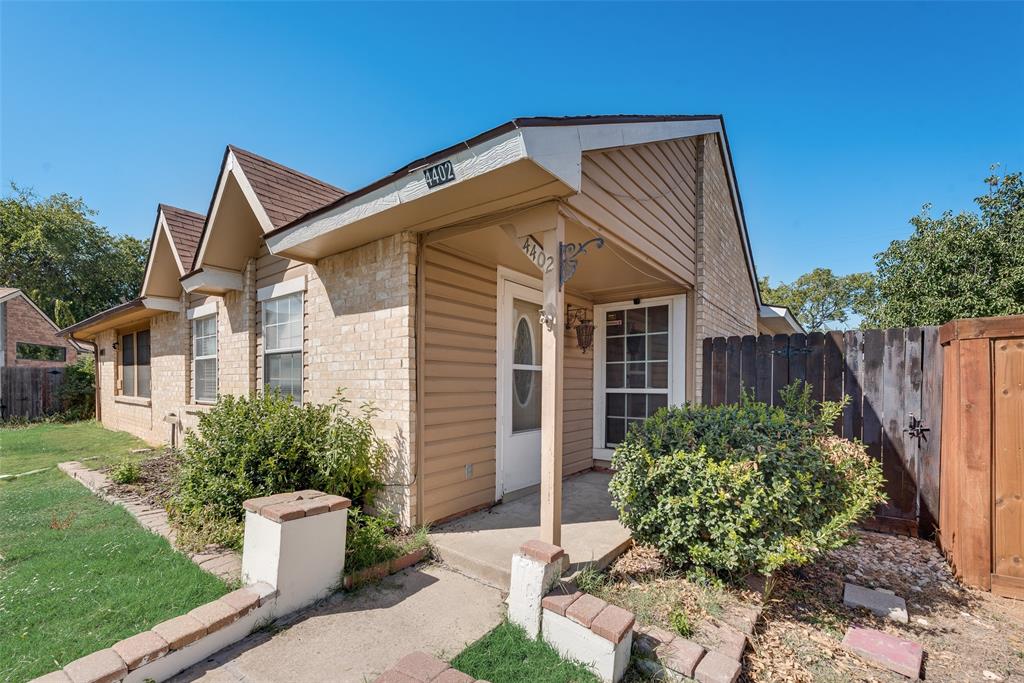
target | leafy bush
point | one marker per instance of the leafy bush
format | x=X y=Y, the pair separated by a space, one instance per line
x=246 y=447
x=733 y=489
x=126 y=472
x=373 y=539
x=78 y=392
x=680 y=623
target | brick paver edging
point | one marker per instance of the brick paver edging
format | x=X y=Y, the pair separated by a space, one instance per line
x=663 y=654
x=378 y=571
x=419 y=666
x=146 y=649
x=225 y=564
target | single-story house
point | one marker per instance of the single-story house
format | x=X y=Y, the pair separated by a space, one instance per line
x=28 y=338
x=511 y=304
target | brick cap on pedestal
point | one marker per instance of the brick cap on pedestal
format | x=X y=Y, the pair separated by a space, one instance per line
x=607 y=621
x=541 y=551
x=284 y=507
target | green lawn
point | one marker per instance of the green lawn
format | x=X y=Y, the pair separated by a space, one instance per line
x=76 y=573
x=507 y=655
x=43 y=445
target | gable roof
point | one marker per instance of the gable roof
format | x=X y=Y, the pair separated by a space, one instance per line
x=284 y=193
x=185 y=228
x=8 y=293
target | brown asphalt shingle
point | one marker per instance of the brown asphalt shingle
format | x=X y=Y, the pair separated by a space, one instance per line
x=284 y=193
x=185 y=227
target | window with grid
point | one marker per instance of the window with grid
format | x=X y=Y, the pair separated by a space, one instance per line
x=282 y=345
x=135 y=364
x=204 y=358
x=636 y=370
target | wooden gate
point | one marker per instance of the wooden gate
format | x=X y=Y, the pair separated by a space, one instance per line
x=982 y=520
x=29 y=393
x=894 y=380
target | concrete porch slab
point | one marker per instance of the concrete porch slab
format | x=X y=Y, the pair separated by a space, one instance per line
x=481 y=545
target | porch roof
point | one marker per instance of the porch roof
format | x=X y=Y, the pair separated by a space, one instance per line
x=524 y=161
x=126 y=313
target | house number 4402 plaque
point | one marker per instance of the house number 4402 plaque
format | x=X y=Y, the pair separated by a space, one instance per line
x=440 y=174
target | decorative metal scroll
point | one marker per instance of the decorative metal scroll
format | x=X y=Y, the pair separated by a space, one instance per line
x=569 y=253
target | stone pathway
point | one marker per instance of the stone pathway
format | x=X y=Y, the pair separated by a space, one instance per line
x=226 y=564
x=356 y=636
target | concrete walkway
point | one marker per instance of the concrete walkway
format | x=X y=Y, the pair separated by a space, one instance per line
x=482 y=544
x=357 y=636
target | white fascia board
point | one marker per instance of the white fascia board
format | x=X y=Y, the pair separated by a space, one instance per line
x=469 y=163
x=202 y=311
x=161 y=303
x=213 y=278
x=296 y=284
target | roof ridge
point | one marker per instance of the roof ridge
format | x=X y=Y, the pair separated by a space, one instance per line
x=161 y=206
x=236 y=148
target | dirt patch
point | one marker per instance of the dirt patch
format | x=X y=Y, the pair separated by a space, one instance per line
x=155 y=485
x=965 y=633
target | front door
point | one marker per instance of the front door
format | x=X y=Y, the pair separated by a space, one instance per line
x=519 y=387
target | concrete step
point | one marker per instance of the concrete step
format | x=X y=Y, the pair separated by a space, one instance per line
x=473 y=565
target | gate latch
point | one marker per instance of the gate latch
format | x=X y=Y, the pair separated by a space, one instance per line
x=916 y=428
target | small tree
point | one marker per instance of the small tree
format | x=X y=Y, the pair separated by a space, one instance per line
x=963 y=265
x=821 y=299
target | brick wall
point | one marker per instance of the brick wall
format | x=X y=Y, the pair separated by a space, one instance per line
x=360 y=336
x=25 y=324
x=725 y=303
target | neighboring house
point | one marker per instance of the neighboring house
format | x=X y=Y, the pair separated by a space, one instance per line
x=437 y=293
x=28 y=338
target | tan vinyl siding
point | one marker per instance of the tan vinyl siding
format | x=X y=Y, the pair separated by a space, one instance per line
x=460 y=387
x=644 y=198
x=459 y=376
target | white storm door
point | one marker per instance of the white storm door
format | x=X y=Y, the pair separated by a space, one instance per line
x=519 y=387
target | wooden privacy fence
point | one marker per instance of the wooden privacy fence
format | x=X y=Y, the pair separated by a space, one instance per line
x=982 y=517
x=29 y=393
x=894 y=380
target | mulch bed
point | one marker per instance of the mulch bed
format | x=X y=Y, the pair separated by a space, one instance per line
x=965 y=633
x=155 y=485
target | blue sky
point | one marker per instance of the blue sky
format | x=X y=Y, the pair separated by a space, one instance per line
x=844 y=119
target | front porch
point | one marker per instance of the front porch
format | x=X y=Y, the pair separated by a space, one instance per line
x=481 y=544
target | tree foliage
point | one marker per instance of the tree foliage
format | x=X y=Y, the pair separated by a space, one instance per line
x=961 y=265
x=52 y=250
x=821 y=299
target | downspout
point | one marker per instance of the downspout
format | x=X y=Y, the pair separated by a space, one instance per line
x=419 y=344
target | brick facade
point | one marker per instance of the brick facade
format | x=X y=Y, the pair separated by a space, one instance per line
x=725 y=303
x=23 y=323
x=359 y=336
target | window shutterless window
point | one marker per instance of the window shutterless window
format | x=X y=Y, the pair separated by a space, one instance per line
x=30 y=351
x=639 y=365
x=204 y=358
x=282 y=345
x=135 y=364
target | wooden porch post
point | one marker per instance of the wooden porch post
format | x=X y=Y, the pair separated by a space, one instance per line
x=552 y=392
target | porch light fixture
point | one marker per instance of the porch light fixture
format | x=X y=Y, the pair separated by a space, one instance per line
x=579 y=318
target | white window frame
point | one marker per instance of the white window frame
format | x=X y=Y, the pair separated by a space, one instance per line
x=195 y=357
x=296 y=349
x=678 y=348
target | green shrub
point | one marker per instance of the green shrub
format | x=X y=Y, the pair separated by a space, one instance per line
x=126 y=472
x=373 y=539
x=256 y=446
x=733 y=489
x=680 y=623
x=77 y=393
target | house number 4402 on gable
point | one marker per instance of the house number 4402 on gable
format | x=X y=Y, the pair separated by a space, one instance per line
x=440 y=174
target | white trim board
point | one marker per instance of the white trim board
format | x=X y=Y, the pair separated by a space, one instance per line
x=295 y=284
x=202 y=311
